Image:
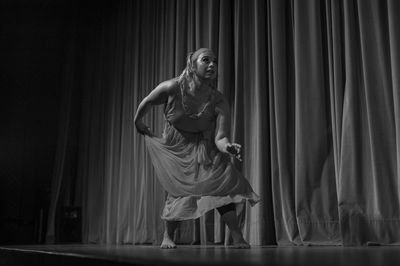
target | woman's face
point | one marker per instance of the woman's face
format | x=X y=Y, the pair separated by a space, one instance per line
x=206 y=65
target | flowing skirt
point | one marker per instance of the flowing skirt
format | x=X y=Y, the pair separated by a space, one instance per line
x=196 y=176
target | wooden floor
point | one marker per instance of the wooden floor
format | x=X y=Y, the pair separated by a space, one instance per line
x=100 y=255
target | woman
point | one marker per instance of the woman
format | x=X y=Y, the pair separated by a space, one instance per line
x=192 y=159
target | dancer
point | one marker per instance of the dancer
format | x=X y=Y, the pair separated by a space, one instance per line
x=192 y=160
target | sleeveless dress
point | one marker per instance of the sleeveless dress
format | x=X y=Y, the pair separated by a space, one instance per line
x=195 y=174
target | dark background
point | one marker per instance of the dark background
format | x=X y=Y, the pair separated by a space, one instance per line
x=34 y=38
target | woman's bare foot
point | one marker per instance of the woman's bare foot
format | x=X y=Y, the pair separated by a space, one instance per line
x=167 y=242
x=230 y=219
x=238 y=241
x=169 y=233
x=241 y=245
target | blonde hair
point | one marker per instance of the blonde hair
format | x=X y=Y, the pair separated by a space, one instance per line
x=189 y=71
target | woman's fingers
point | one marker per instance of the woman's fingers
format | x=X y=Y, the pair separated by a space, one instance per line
x=236 y=145
x=231 y=149
x=235 y=149
x=143 y=129
x=149 y=133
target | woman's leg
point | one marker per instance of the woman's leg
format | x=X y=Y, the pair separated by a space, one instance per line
x=196 y=232
x=228 y=214
x=168 y=240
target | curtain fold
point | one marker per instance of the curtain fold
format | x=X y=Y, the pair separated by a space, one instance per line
x=313 y=88
x=368 y=199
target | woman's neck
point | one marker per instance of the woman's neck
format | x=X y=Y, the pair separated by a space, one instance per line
x=200 y=86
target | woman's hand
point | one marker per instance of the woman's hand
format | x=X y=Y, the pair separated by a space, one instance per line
x=234 y=149
x=143 y=129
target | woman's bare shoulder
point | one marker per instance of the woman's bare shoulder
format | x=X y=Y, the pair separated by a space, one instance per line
x=169 y=86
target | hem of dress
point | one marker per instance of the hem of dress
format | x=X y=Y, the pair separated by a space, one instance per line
x=252 y=198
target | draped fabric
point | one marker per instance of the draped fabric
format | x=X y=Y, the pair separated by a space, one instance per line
x=314 y=94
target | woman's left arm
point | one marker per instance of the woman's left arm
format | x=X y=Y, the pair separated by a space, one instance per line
x=223 y=131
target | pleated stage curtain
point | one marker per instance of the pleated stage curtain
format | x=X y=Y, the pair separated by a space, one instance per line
x=314 y=92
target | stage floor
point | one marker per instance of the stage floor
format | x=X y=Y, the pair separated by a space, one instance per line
x=197 y=255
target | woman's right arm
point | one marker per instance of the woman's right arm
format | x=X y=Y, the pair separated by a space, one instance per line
x=157 y=96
